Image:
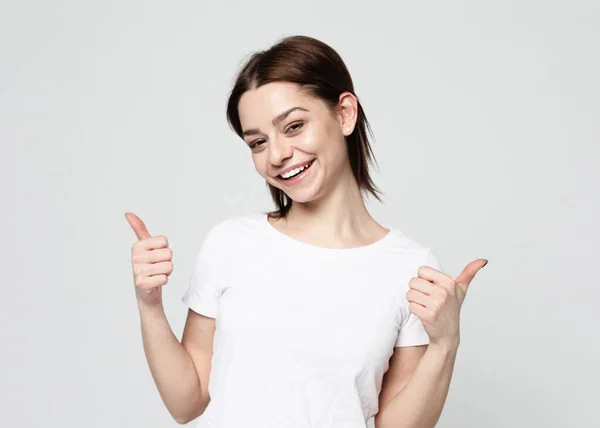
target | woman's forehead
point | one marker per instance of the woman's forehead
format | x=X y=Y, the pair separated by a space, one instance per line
x=262 y=105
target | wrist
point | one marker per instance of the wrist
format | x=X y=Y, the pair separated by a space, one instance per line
x=150 y=308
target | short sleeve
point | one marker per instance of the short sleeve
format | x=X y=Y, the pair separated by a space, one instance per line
x=412 y=332
x=202 y=294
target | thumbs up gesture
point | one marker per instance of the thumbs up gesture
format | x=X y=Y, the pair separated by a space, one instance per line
x=151 y=262
x=436 y=299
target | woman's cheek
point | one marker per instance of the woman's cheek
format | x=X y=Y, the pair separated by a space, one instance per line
x=310 y=141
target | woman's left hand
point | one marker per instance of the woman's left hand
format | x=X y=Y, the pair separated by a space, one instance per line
x=436 y=299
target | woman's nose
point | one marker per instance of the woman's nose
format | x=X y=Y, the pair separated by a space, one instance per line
x=279 y=151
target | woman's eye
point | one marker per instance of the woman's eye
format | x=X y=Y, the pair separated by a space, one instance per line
x=295 y=127
x=256 y=143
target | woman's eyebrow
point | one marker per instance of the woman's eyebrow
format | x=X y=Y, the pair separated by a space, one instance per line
x=275 y=122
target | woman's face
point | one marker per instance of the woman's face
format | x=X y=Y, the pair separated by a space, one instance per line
x=298 y=144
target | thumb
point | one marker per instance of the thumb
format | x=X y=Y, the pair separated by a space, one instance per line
x=138 y=226
x=466 y=276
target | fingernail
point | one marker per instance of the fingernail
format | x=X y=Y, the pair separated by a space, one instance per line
x=486 y=262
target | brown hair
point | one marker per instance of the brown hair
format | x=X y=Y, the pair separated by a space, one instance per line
x=321 y=73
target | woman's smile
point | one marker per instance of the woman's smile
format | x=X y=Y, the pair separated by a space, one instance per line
x=296 y=176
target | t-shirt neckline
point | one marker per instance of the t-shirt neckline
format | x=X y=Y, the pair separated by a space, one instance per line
x=276 y=232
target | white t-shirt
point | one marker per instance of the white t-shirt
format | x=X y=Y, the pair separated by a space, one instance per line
x=304 y=334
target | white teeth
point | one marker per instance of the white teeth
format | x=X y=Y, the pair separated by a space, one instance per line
x=295 y=171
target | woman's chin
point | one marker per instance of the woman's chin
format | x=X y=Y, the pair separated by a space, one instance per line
x=301 y=200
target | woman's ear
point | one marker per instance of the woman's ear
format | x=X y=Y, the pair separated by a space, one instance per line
x=348 y=112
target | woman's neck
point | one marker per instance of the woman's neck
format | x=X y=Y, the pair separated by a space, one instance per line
x=339 y=219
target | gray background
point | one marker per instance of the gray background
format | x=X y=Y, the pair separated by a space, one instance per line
x=486 y=123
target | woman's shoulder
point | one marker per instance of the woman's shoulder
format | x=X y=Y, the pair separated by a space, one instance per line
x=236 y=226
x=229 y=236
x=407 y=245
x=400 y=240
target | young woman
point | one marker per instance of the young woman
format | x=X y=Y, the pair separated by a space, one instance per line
x=313 y=315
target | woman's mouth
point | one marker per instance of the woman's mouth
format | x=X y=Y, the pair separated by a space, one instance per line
x=296 y=175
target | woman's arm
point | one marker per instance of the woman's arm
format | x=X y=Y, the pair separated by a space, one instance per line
x=436 y=299
x=180 y=370
x=419 y=402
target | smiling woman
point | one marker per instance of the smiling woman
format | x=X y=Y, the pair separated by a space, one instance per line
x=301 y=89
x=334 y=319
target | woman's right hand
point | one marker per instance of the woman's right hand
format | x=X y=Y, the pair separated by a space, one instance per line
x=151 y=260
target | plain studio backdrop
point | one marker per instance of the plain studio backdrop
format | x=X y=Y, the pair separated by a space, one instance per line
x=485 y=117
